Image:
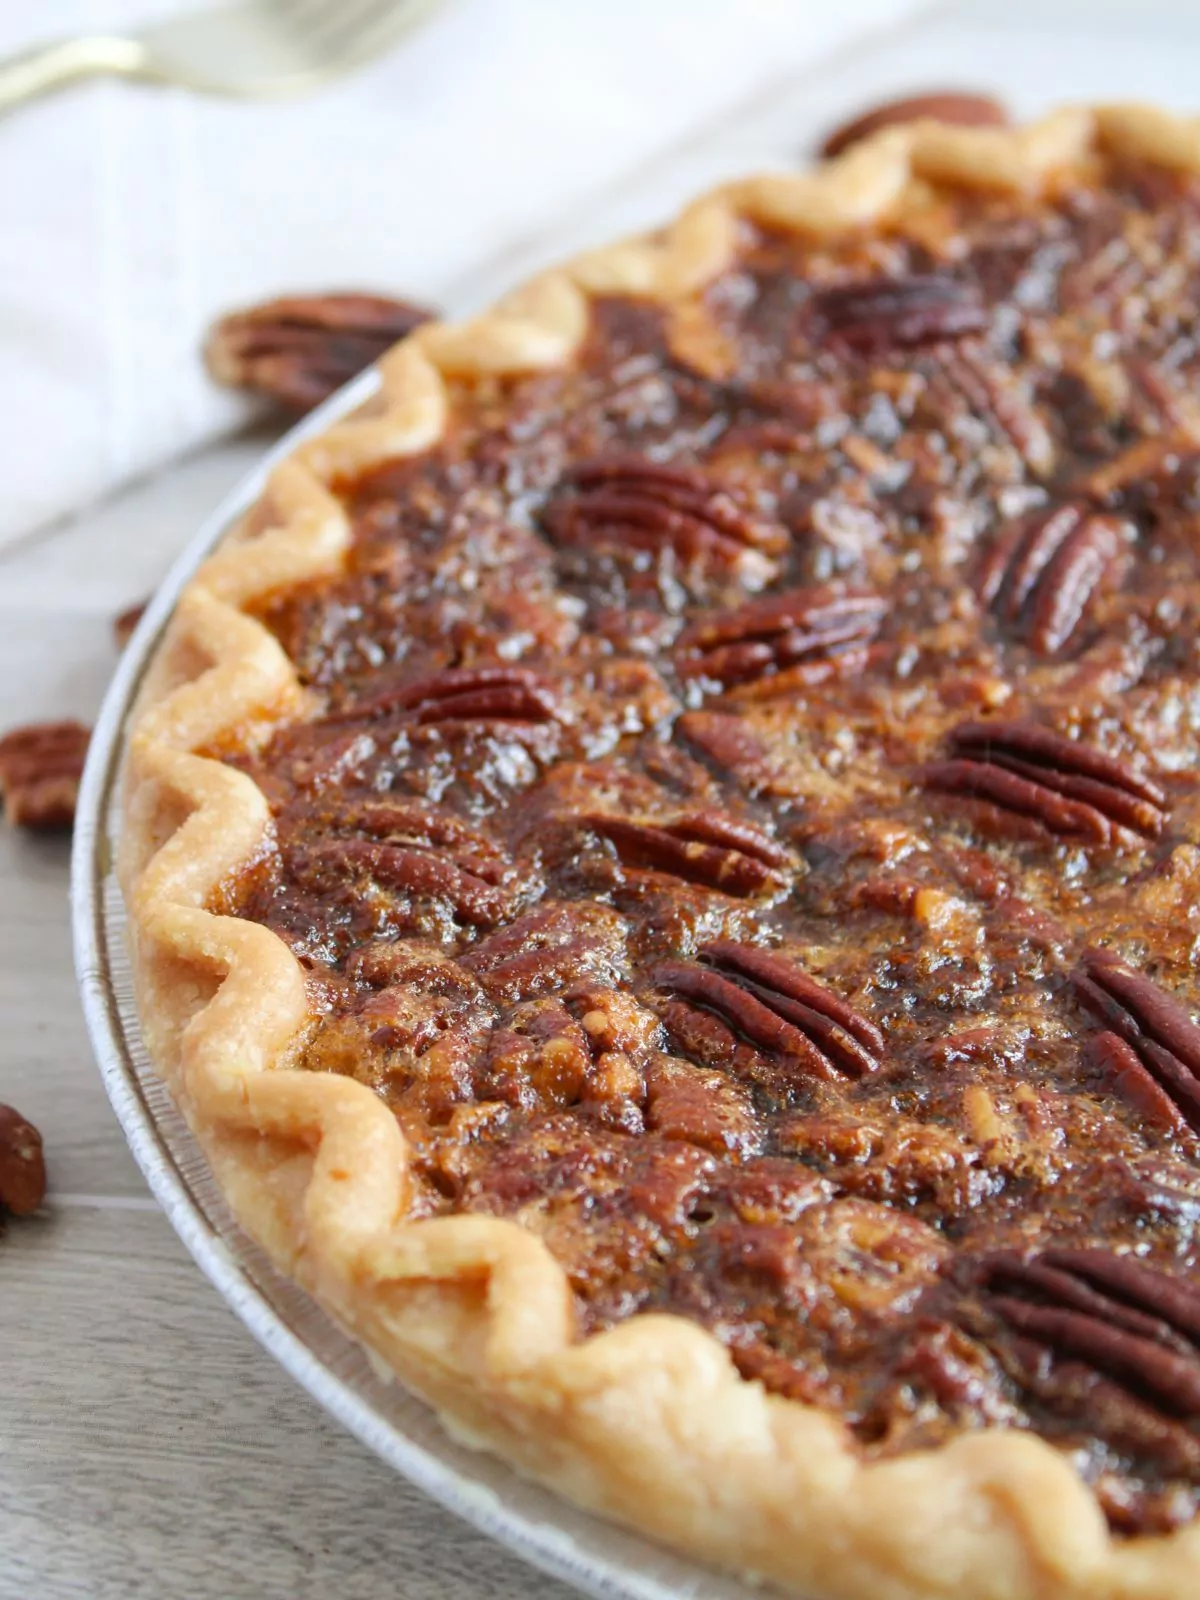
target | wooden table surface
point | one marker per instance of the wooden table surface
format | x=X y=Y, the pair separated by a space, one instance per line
x=149 y=1448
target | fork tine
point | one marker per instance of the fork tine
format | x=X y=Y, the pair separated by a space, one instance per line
x=336 y=28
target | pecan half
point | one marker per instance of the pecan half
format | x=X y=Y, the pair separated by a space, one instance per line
x=881 y=314
x=299 y=349
x=550 y=948
x=1157 y=1031
x=1041 y=572
x=40 y=769
x=776 y=1007
x=1068 y=787
x=957 y=106
x=22 y=1164
x=411 y=852
x=634 y=504
x=711 y=850
x=1128 y=1321
x=464 y=694
x=811 y=628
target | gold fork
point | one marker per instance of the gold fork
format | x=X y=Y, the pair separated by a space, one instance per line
x=257 y=48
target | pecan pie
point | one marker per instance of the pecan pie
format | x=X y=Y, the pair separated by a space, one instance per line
x=664 y=857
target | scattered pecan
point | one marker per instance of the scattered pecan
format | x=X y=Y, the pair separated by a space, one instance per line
x=22 y=1164
x=776 y=1007
x=298 y=349
x=631 y=503
x=959 y=106
x=1041 y=572
x=811 y=628
x=126 y=621
x=1068 y=787
x=710 y=849
x=412 y=852
x=876 y=315
x=1151 y=1053
x=464 y=694
x=1128 y=1321
x=40 y=769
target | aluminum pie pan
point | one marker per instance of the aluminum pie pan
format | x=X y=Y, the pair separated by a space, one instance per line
x=596 y=1557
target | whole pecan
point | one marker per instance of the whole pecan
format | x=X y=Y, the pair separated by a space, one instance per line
x=40 y=769
x=299 y=349
x=22 y=1164
x=1150 y=1052
x=464 y=694
x=1041 y=572
x=414 y=854
x=1133 y=1324
x=811 y=628
x=1068 y=787
x=776 y=1007
x=962 y=107
x=709 y=849
x=875 y=315
x=631 y=503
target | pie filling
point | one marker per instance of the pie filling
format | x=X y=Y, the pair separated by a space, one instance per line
x=750 y=835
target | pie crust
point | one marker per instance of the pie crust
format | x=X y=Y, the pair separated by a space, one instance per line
x=648 y=1423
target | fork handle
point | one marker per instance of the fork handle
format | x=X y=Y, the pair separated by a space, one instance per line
x=52 y=66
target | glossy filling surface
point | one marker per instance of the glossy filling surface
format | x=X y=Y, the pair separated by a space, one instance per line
x=750 y=833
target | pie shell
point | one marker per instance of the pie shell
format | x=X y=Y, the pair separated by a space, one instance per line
x=648 y=1423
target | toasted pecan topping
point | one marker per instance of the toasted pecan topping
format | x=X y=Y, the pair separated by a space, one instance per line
x=631 y=504
x=812 y=627
x=465 y=694
x=1138 y=1326
x=1068 y=787
x=711 y=850
x=1040 y=574
x=777 y=1007
x=1156 y=1030
x=885 y=314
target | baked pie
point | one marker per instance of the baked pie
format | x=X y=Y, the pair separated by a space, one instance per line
x=664 y=860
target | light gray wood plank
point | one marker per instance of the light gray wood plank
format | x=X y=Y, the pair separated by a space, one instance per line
x=163 y=1454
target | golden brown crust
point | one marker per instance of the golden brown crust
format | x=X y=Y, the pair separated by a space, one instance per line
x=649 y=1423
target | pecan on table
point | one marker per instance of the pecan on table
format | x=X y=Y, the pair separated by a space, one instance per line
x=958 y=106
x=812 y=630
x=464 y=694
x=40 y=769
x=776 y=1007
x=710 y=850
x=1068 y=787
x=299 y=349
x=1150 y=1052
x=1123 y=1319
x=22 y=1164
x=875 y=315
x=126 y=621
x=1041 y=572
x=631 y=503
x=416 y=857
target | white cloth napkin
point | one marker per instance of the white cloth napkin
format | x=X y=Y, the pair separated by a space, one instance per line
x=131 y=216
